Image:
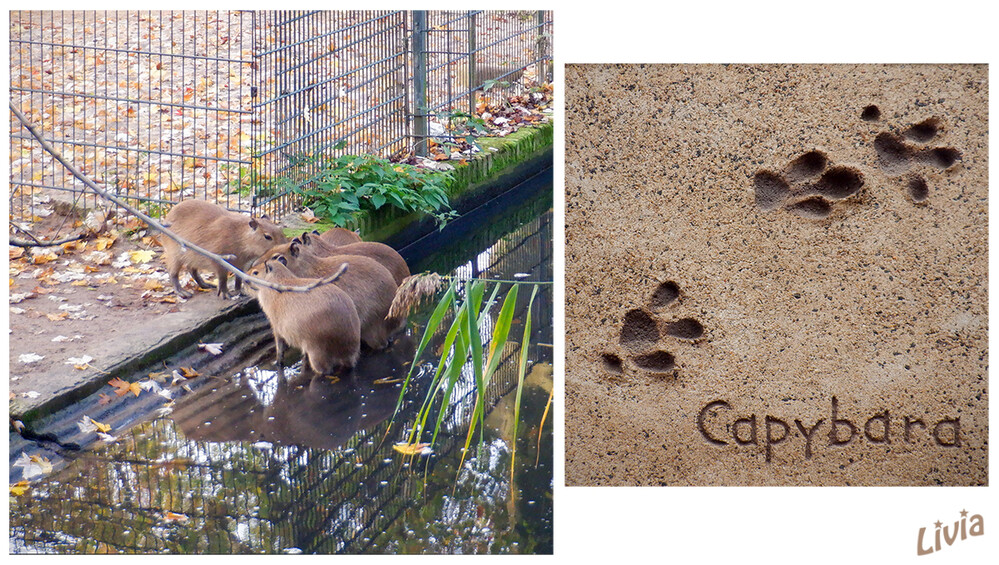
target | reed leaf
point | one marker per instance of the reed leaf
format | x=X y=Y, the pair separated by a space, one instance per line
x=521 y=371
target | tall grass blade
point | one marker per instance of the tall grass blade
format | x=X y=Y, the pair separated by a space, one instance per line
x=521 y=371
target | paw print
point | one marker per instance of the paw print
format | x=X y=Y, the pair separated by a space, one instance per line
x=642 y=331
x=809 y=186
x=900 y=153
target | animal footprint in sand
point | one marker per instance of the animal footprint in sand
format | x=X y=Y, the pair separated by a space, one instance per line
x=642 y=330
x=898 y=153
x=808 y=187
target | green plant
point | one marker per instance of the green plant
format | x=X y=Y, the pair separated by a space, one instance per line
x=349 y=184
x=463 y=346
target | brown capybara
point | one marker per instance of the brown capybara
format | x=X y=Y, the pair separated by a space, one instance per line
x=322 y=323
x=388 y=257
x=338 y=236
x=220 y=231
x=366 y=282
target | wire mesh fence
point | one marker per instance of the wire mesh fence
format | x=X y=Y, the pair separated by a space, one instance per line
x=158 y=106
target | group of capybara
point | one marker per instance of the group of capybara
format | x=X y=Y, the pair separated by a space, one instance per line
x=328 y=323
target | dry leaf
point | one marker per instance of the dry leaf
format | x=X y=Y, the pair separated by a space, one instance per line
x=189 y=373
x=413 y=448
x=141 y=256
x=30 y=357
x=123 y=387
x=387 y=381
x=213 y=348
x=88 y=425
x=173 y=517
x=57 y=317
x=18 y=488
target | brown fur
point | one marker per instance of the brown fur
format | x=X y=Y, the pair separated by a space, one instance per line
x=338 y=236
x=220 y=231
x=388 y=257
x=366 y=282
x=322 y=322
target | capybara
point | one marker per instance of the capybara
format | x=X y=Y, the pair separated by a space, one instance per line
x=388 y=257
x=220 y=231
x=338 y=236
x=366 y=282
x=322 y=323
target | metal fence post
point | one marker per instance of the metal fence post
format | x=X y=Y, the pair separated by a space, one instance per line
x=472 y=82
x=420 y=107
x=541 y=45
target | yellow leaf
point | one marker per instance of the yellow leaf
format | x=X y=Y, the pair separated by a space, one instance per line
x=57 y=317
x=142 y=256
x=152 y=284
x=123 y=387
x=100 y=427
x=103 y=243
x=412 y=448
x=387 y=381
x=19 y=488
x=189 y=372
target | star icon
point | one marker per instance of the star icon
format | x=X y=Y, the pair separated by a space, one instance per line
x=964 y=513
x=938 y=524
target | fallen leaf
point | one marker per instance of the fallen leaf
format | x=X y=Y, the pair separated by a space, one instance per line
x=103 y=243
x=122 y=387
x=189 y=373
x=141 y=256
x=57 y=317
x=88 y=425
x=104 y=399
x=19 y=488
x=41 y=259
x=387 y=381
x=213 y=348
x=173 y=517
x=79 y=360
x=33 y=465
x=413 y=448
x=30 y=357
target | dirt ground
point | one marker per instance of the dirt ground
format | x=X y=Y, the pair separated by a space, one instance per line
x=68 y=302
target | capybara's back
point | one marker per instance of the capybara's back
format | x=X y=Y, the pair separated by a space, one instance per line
x=384 y=254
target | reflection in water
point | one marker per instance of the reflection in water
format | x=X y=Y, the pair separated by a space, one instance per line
x=248 y=463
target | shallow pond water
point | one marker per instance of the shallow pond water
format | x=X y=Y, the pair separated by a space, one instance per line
x=243 y=461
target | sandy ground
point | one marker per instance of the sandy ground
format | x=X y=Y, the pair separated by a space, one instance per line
x=776 y=275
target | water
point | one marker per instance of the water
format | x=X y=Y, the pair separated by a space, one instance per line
x=248 y=463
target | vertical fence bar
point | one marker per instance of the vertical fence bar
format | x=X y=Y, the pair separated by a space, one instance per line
x=472 y=74
x=420 y=82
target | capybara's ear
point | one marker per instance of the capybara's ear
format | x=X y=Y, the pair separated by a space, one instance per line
x=293 y=248
x=267 y=267
x=305 y=238
x=282 y=259
x=253 y=224
x=316 y=232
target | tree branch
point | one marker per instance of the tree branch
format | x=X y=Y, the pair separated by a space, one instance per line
x=184 y=244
